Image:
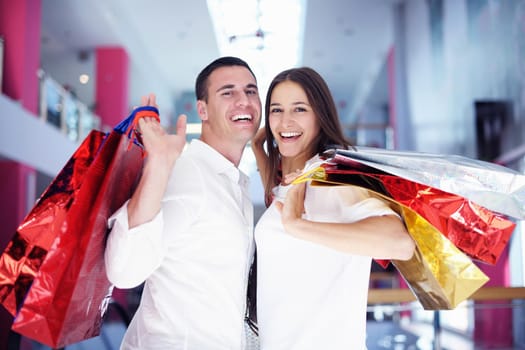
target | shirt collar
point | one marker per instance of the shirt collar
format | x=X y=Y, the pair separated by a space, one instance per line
x=216 y=161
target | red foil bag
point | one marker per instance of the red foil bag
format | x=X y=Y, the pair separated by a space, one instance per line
x=478 y=232
x=52 y=273
x=439 y=274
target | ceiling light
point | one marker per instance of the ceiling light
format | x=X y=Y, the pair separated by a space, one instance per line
x=267 y=34
x=83 y=78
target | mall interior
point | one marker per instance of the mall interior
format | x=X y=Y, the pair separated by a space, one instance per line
x=447 y=78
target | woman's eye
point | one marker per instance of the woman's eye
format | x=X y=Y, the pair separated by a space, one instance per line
x=275 y=110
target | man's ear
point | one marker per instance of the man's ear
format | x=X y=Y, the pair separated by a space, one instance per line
x=202 y=110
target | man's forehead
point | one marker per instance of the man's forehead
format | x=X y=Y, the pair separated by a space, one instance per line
x=233 y=76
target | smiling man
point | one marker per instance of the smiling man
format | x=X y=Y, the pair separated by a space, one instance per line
x=187 y=231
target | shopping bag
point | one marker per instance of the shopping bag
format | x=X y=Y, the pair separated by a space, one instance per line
x=495 y=187
x=24 y=254
x=439 y=274
x=53 y=268
x=477 y=231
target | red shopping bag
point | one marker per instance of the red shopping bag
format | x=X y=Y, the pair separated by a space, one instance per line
x=480 y=233
x=52 y=273
x=439 y=274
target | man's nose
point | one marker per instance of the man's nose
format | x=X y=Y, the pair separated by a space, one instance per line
x=242 y=100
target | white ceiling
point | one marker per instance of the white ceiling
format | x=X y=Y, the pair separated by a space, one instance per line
x=169 y=41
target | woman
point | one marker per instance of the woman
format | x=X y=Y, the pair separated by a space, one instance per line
x=314 y=244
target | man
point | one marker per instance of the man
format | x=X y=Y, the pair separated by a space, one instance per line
x=187 y=231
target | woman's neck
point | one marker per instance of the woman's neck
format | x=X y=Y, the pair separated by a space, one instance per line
x=290 y=165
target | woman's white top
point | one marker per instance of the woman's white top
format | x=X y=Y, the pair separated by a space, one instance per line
x=310 y=296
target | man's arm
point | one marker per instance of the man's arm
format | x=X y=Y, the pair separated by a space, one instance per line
x=134 y=248
x=162 y=150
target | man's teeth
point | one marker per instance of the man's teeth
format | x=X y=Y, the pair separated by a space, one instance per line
x=242 y=117
x=290 y=134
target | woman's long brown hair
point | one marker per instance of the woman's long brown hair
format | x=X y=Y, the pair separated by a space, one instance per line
x=323 y=105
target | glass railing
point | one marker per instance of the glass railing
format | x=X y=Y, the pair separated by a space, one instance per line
x=63 y=110
x=492 y=318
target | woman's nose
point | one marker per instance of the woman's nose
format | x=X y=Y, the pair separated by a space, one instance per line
x=287 y=119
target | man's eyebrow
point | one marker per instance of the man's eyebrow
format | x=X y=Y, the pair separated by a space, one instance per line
x=225 y=87
x=231 y=86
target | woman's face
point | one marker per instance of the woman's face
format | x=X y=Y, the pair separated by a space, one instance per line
x=293 y=122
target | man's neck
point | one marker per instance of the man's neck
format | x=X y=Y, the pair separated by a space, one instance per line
x=230 y=151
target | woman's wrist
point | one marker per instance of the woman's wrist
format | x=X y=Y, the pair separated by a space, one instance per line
x=295 y=227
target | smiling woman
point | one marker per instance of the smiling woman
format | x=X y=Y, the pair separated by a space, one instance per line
x=294 y=124
x=314 y=244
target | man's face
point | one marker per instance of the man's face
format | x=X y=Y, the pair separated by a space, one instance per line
x=233 y=110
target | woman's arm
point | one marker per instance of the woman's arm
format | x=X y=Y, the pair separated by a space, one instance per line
x=381 y=237
x=261 y=157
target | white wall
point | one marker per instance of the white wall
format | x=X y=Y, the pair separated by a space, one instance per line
x=480 y=58
x=29 y=140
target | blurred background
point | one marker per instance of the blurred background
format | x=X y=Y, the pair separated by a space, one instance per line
x=437 y=76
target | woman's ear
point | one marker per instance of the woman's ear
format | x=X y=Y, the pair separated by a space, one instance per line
x=202 y=110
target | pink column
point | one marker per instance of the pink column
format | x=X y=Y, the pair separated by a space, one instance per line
x=20 y=27
x=112 y=84
x=493 y=326
x=392 y=122
x=13 y=191
x=111 y=91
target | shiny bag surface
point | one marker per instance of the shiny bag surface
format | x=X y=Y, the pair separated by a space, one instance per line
x=53 y=270
x=24 y=254
x=495 y=187
x=440 y=274
x=480 y=232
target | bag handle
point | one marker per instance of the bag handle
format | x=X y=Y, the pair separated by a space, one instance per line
x=142 y=112
x=129 y=125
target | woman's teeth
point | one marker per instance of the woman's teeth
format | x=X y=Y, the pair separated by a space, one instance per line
x=290 y=134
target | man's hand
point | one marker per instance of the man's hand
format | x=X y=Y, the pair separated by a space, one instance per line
x=157 y=142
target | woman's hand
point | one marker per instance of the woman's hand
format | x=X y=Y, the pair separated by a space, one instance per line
x=258 y=139
x=261 y=157
x=288 y=178
x=293 y=208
